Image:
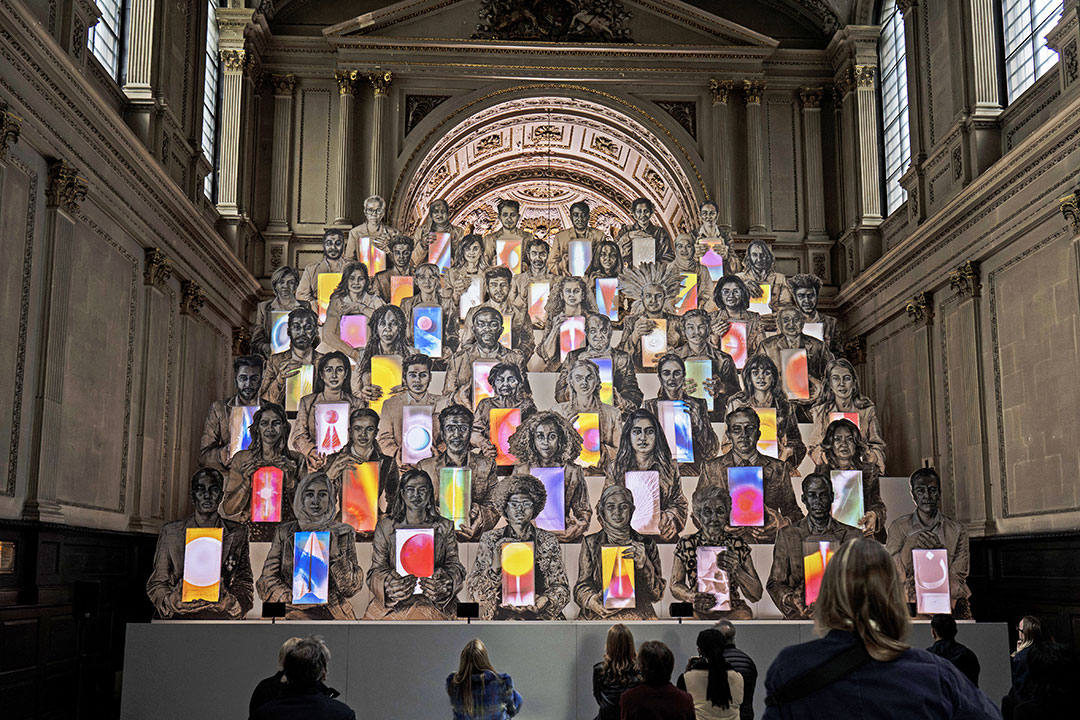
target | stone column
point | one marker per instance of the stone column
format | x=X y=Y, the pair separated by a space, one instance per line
x=921 y=310
x=817 y=239
x=982 y=128
x=284 y=86
x=232 y=94
x=720 y=91
x=347 y=86
x=140 y=50
x=66 y=189
x=380 y=84
x=755 y=157
x=1065 y=39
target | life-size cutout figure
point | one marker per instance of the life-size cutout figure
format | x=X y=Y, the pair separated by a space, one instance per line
x=437 y=220
x=781 y=508
x=627 y=394
x=642 y=211
x=606 y=262
x=486 y=326
x=841 y=394
x=733 y=302
x=352 y=296
x=398 y=262
x=584 y=392
x=674 y=386
x=712 y=513
x=614 y=511
x=269 y=448
x=363 y=448
x=709 y=231
x=569 y=298
x=416 y=374
x=469 y=263
x=497 y=296
x=687 y=260
x=579 y=230
x=546 y=440
x=723 y=381
x=455 y=427
x=652 y=287
x=372 y=227
x=509 y=386
x=332 y=261
x=763 y=392
x=214 y=448
x=806 y=289
x=642 y=446
x=303 y=330
x=428 y=291
x=509 y=216
x=787 y=579
x=760 y=270
x=332 y=385
x=317 y=507
x=844 y=449
x=520 y=498
x=284 y=282
x=928 y=529
x=535 y=268
x=386 y=336
x=165 y=586
x=789 y=321
x=394 y=596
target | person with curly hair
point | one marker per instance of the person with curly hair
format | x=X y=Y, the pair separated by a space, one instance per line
x=844 y=449
x=732 y=300
x=520 y=498
x=509 y=386
x=840 y=393
x=761 y=381
x=354 y=295
x=569 y=298
x=584 y=392
x=806 y=289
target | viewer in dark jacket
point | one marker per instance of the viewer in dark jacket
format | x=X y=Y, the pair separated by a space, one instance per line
x=476 y=691
x=1052 y=678
x=270 y=688
x=743 y=664
x=656 y=698
x=1030 y=632
x=617 y=673
x=304 y=695
x=943 y=630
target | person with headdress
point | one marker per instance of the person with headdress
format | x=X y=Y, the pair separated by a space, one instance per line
x=317 y=507
x=429 y=291
x=642 y=211
x=762 y=391
x=732 y=300
x=333 y=384
x=652 y=287
x=509 y=386
x=362 y=448
x=509 y=229
x=571 y=297
x=354 y=295
x=386 y=336
x=536 y=267
x=520 y=498
x=584 y=397
x=760 y=269
x=841 y=395
x=710 y=231
x=687 y=260
x=283 y=282
x=614 y=510
x=723 y=379
x=642 y=447
x=546 y=440
x=437 y=220
x=626 y=393
x=398 y=263
x=716 y=687
x=674 y=387
x=845 y=450
x=579 y=230
x=406 y=597
x=302 y=328
x=497 y=296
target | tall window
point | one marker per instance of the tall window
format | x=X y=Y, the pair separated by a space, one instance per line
x=104 y=37
x=892 y=63
x=211 y=99
x=1026 y=23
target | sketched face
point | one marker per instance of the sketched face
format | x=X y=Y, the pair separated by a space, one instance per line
x=652 y=297
x=285 y=288
x=579 y=218
x=508 y=217
x=498 y=289
x=358 y=283
x=538 y=256
x=712 y=516
x=333 y=374
x=762 y=378
x=440 y=212
x=926 y=492
x=316 y=499
x=455 y=432
x=584 y=382
x=333 y=245
x=608 y=258
x=791 y=322
x=573 y=292
x=843 y=444
x=758 y=258
x=487 y=327
x=248 y=380
x=806 y=299
x=643 y=436
x=301 y=332
x=744 y=431
x=389 y=329
x=696 y=330
x=672 y=377
x=472 y=252
x=597 y=334
x=427 y=281
x=205 y=495
x=842 y=383
x=401 y=254
x=546 y=440
x=362 y=432
x=506 y=384
x=520 y=509
x=271 y=428
x=818 y=497
x=641 y=212
x=373 y=211
x=416 y=493
x=731 y=296
x=617 y=511
x=417 y=379
x=708 y=214
x=684 y=247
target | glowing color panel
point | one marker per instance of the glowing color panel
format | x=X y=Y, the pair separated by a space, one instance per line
x=768 y=443
x=386 y=373
x=580 y=257
x=428 y=330
x=481 y=384
x=734 y=343
x=327 y=283
x=518 y=576
x=372 y=256
x=416 y=433
x=711 y=578
x=713 y=261
x=796 y=374
x=360 y=496
x=686 y=300
x=279 y=331
x=571 y=335
x=439 y=250
x=202 y=565
x=240 y=418
x=553 y=516
x=760 y=305
x=644 y=486
x=654 y=343
x=588 y=427
x=266 y=483
x=538 y=297
x=675 y=419
x=299 y=385
x=607 y=385
x=643 y=249
x=814 y=330
x=746 y=485
x=502 y=422
x=415 y=553
x=852 y=416
x=816 y=557
x=331 y=427
x=353 y=330
x=847 y=506
x=617 y=573
x=472 y=296
x=607 y=297
x=932 y=593
x=311 y=568
x=401 y=287
x=506 y=338
x=455 y=494
x=700 y=369
x=508 y=253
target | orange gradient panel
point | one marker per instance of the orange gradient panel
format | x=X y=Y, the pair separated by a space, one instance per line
x=618 y=575
x=796 y=374
x=401 y=287
x=816 y=556
x=360 y=501
x=386 y=373
x=502 y=423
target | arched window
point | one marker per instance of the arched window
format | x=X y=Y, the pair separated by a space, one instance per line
x=1026 y=23
x=892 y=64
x=211 y=99
x=106 y=36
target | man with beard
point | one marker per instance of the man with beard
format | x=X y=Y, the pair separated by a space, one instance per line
x=790 y=321
x=303 y=330
x=624 y=381
x=759 y=270
x=579 y=230
x=806 y=289
x=333 y=261
x=787 y=579
x=399 y=262
x=165 y=586
x=372 y=227
x=536 y=268
x=215 y=448
x=486 y=326
x=509 y=216
x=497 y=296
x=642 y=211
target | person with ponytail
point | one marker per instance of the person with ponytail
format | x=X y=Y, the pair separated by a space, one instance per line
x=617 y=673
x=862 y=668
x=716 y=687
x=476 y=691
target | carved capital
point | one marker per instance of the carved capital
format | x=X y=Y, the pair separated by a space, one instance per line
x=965 y=279
x=233 y=60
x=905 y=5
x=855 y=350
x=157 y=268
x=191 y=297
x=1070 y=208
x=811 y=97
x=754 y=90
x=66 y=187
x=920 y=308
x=284 y=84
x=863 y=76
x=720 y=90
x=10 y=127
x=348 y=81
x=241 y=341
x=380 y=82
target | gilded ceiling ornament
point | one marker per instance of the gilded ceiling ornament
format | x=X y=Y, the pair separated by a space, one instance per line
x=605 y=146
x=489 y=143
x=653 y=180
x=547 y=133
x=157 y=268
x=66 y=187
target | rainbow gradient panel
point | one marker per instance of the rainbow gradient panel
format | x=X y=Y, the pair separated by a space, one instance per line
x=816 y=557
x=747 y=488
x=607 y=297
x=439 y=250
x=360 y=496
x=617 y=573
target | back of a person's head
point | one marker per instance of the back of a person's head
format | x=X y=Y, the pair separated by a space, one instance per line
x=285 y=648
x=861 y=593
x=474 y=661
x=727 y=630
x=656 y=661
x=944 y=625
x=307 y=661
x=711 y=644
x=1052 y=667
x=620 y=659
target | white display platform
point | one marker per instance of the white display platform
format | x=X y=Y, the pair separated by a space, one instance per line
x=398 y=670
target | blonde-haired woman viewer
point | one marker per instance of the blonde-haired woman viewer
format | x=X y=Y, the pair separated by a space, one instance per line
x=478 y=692
x=861 y=667
x=617 y=673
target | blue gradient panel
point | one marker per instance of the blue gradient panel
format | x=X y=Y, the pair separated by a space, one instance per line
x=311 y=568
x=427 y=330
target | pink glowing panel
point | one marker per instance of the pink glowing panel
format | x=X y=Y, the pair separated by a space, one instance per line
x=768 y=443
x=360 y=496
x=713 y=579
x=415 y=553
x=518 y=574
x=816 y=557
x=385 y=373
x=331 y=427
x=747 y=488
x=439 y=250
x=481 y=387
x=538 y=296
x=202 y=565
x=607 y=297
x=587 y=425
x=617 y=573
x=932 y=581
x=401 y=287
x=734 y=343
x=508 y=253
x=553 y=516
x=266 y=485
x=713 y=261
x=796 y=374
x=502 y=423
x=852 y=416
x=571 y=335
x=353 y=330
x=580 y=257
x=644 y=486
x=240 y=418
x=416 y=433
x=686 y=299
x=654 y=343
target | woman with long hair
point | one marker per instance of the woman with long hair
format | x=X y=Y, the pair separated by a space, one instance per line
x=841 y=396
x=428 y=291
x=584 y=391
x=716 y=687
x=762 y=391
x=437 y=220
x=468 y=264
x=862 y=616
x=386 y=336
x=732 y=298
x=333 y=385
x=606 y=261
x=1030 y=633
x=353 y=296
x=616 y=673
x=674 y=386
x=844 y=449
x=476 y=691
x=570 y=297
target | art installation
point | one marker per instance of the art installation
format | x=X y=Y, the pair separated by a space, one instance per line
x=417 y=434
x=360 y=496
x=931 y=570
x=240 y=418
x=439 y=250
x=503 y=422
x=279 y=336
x=553 y=515
x=311 y=568
x=847 y=504
x=607 y=385
x=607 y=297
x=354 y=330
x=686 y=299
x=571 y=335
x=455 y=493
x=644 y=487
x=674 y=417
x=713 y=579
x=587 y=425
x=816 y=556
x=428 y=330
x=538 y=299
x=618 y=574
x=202 y=565
x=734 y=344
x=266 y=486
x=385 y=373
x=747 y=487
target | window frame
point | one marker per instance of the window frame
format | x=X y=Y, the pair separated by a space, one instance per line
x=902 y=117
x=117 y=69
x=210 y=182
x=1027 y=43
